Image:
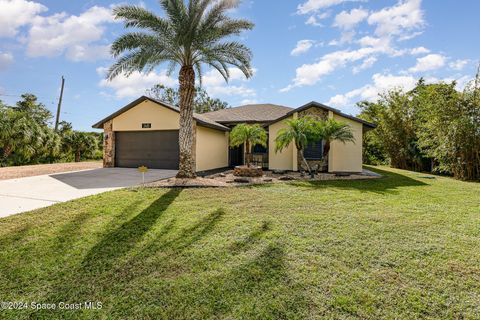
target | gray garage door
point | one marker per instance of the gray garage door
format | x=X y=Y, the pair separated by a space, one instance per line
x=154 y=149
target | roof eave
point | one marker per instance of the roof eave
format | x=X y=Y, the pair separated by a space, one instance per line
x=99 y=125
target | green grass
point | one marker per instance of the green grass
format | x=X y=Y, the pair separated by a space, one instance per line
x=400 y=247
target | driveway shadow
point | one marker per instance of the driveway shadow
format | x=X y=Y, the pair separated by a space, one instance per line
x=110 y=177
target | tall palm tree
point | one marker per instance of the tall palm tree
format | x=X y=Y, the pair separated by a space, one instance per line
x=191 y=35
x=250 y=135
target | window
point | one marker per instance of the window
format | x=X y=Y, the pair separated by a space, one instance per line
x=314 y=151
x=259 y=149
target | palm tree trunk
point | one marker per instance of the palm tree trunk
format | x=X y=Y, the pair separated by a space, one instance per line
x=326 y=150
x=305 y=162
x=187 y=93
x=7 y=151
x=77 y=156
x=247 y=148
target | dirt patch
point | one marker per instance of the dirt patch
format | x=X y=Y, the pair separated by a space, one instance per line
x=40 y=169
x=228 y=179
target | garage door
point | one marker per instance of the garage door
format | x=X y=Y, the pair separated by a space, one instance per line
x=154 y=149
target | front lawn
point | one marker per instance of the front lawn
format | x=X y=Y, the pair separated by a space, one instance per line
x=399 y=247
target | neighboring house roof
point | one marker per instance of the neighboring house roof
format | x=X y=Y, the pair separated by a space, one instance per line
x=256 y=113
x=201 y=119
x=324 y=107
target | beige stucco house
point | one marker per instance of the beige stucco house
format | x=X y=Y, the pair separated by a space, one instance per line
x=145 y=132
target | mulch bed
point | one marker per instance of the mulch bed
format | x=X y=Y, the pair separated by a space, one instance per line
x=227 y=179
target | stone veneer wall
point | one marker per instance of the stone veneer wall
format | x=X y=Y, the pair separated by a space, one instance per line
x=108 y=145
x=319 y=114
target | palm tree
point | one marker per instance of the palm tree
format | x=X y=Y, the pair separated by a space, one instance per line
x=300 y=131
x=332 y=130
x=80 y=144
x=306 y=130
x=250 y=135
x=190 y=36
x=18 y=134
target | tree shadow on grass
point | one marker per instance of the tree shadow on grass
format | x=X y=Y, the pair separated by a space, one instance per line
x=387 y=184
x=259 y=287
x=121 y=240
x=253 y=237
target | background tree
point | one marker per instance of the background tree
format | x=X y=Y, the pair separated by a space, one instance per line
x=250 y=135
x=34 y=109
x=433 y=127
x=81 y=144
x=190 y=35
x=396 y=122
x=27 y=138
x=202 y=102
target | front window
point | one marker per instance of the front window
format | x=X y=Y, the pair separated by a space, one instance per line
x=314 y=151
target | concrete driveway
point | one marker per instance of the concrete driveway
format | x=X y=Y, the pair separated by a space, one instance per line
x=25 y=194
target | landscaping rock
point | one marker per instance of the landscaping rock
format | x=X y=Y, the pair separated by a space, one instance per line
x=267 y=180
x=244 y=171
x=279 y=171
x=241 y=180
x=286 y=178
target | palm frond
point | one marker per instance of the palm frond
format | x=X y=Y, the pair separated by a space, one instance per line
x=138 y=17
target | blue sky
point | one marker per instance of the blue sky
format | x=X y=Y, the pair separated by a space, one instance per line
x=333 y=51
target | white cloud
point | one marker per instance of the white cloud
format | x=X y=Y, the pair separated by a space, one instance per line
x=6 y=59
x=216 y=85
x=429 y=62
x=348 y=20
x=136 y=84
x=315 y=5
x=405 y=16
x=380 y=84
x=367 y=63
x=419 y=50
x=17 y=13
x=315 y=19
x=77 y=37
x=458 y=64
x=346 y=37
x=310 y=74
x=302 y=47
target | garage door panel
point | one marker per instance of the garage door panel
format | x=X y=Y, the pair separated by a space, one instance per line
x=154 y=149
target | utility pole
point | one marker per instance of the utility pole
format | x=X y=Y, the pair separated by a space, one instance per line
x=59 y=105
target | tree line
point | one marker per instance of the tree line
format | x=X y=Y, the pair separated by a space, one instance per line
x=433 y=128
x=27 y=137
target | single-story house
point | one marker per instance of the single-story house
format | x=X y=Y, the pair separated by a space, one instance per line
x=145 y=132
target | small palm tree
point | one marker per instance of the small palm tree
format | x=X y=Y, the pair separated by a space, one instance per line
x=190 y=35
x=250 y=135
x=300 y=131
x=332 y=130
x=306 y=130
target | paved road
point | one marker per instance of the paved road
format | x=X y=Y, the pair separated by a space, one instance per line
x=25 y=194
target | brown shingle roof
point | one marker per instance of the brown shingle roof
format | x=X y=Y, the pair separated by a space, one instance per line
x=249 y=113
